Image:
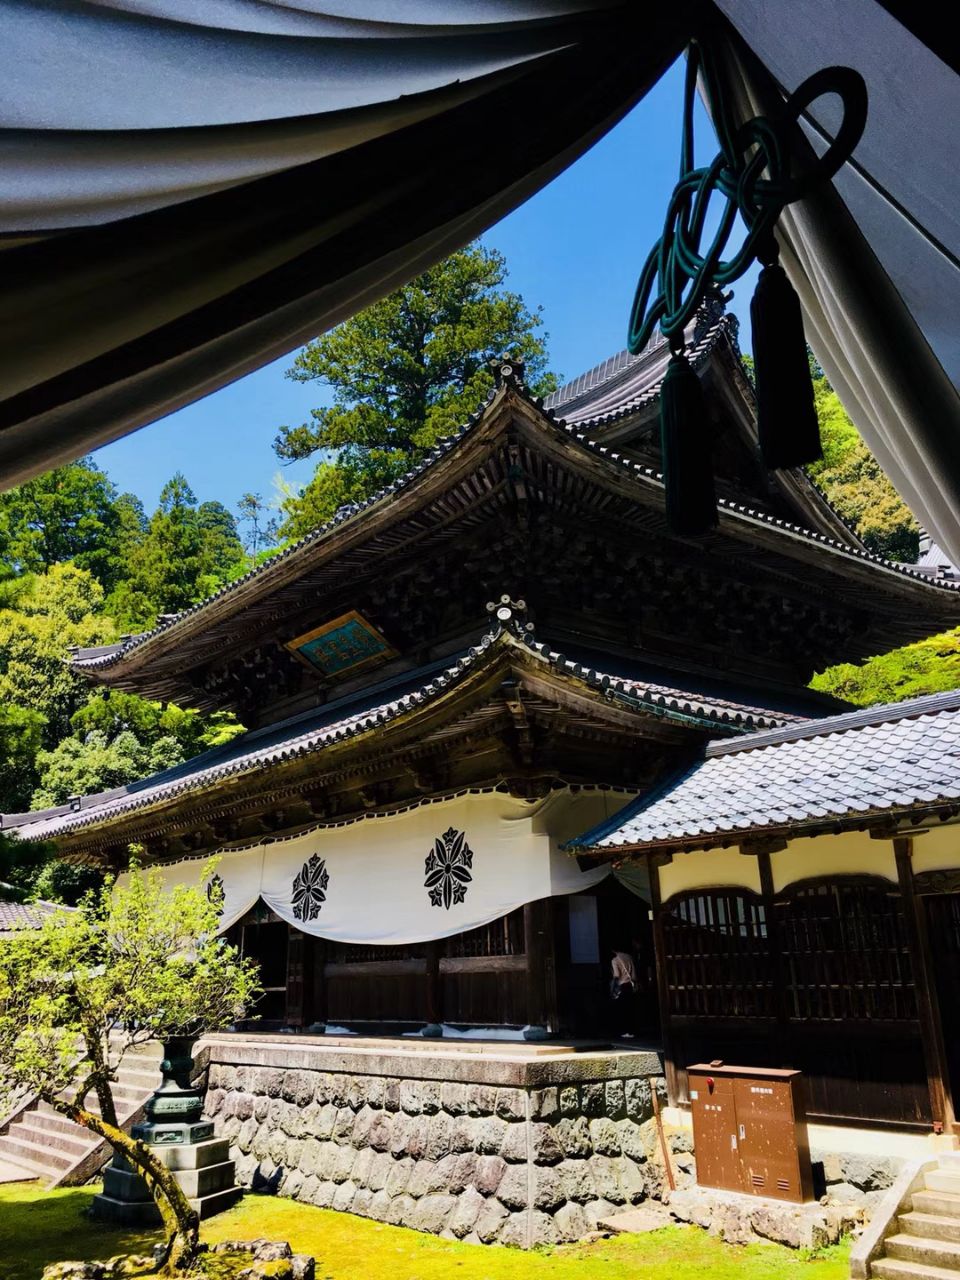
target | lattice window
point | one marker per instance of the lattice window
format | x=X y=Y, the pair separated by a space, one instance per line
x=717 y=957
x=846 y=953
x=501 y=937
x=352 y=953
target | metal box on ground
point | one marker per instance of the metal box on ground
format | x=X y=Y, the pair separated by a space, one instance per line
x=750 y=1130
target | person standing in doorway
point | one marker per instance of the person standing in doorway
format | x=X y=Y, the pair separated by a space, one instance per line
x=623 y=992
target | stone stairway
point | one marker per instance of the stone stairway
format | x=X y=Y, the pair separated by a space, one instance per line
x=48 y=1146
x=927 y=1244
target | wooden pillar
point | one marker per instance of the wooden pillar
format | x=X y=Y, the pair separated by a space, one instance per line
x=298 y=977
x=928 y=1005
x=317 y=1006
x=660 y=959
x=542 y=1016
x=434 y=1025
x=774 y=949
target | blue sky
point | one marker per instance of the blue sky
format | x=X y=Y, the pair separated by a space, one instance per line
x=575 y=249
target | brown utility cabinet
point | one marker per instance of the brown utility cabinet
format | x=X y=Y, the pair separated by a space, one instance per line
x=750 y=1131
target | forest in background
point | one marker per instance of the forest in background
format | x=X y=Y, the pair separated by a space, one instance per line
x=82 y=564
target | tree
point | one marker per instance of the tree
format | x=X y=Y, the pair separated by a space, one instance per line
x=855 y=485
x=184 y=555
x=70 y=513
x=406 y=371
x=132 y=964
x=261 y=526
x=40 y=617
x=21 y=736
x=928 y=666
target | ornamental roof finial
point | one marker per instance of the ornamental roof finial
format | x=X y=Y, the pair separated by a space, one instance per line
x=512 y=616
x=508 y=369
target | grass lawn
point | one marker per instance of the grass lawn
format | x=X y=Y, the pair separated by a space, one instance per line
x=37 y=1227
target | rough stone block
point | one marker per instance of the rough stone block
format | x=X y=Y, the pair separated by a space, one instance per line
x=844 y=1193
x=514 y=1145
x=571 y=1222
x=376 y=1089
x=489 y=1135
x=248 y=1131
x=547 y=1191
x=400 y=1210
x=453 y=1098
x=399 y=1131
x=261 y=1105
x=592 y=1099
x=362 y=1124
x=511 y=1104
x=604 y=1172
x=630 y=1180
x=467 y=1210
x=594 y=1210
x=308 y=1191
x=541 y=1229
x=573 y=1137
x=631 y=1140
x=356 y=1093
x=638 y=1100
x=604 y=1137
x=343 y=1163
x=576 y=1181
x=291 y=1183
x=344 y=1195
x=380 y=1205
x=490 y=1221
x=464 y=1171
x=490 y=1171
x=380 y=1132
x=340 y=1085
x=343 y=1124
x=569 y=1100
x=380 y=1170
x=391 y=1095
x=614 y=1097
x=429 y=1097
x=362 y=1202
x=870 y=1173
x=213 y=1102
x=362 y=1166
x=544 y=1147
x=310 y=1156
x=545 y=1104
x=399 y=1176
x=512 y=1190
x=439 y=1136
x=420 y=1177
x=418 y=1133
x=462 y=1135
x=480 y=1099
x=432 y=1212
x=410 y=1101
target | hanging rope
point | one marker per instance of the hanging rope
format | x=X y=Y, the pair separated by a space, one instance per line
x=684 y=273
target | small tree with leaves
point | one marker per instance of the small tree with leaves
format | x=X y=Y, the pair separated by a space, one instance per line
x=133 y=963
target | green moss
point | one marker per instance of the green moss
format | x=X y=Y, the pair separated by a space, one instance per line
x=38 y=1227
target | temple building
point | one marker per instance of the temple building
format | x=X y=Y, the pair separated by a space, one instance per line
x=469 y=697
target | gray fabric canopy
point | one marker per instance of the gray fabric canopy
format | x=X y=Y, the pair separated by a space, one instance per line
x=190 y=191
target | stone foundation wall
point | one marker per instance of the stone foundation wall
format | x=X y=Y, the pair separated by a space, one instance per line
x=478 y=1147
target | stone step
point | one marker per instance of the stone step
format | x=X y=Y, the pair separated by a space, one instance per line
x=22 y=1149
x=29 y=1168
x=900 y=1269
x=946 y=1204
x=924 y=1251
x=943 y=1180
x=73 y=1141
x=931 y=1226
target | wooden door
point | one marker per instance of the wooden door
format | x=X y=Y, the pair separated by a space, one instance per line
x=943 y=919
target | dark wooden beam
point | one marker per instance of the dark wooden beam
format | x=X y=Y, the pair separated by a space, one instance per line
x=541 y=966
x=924 y=973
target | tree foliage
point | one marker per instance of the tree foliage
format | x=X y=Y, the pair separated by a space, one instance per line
x=855 y=485
x=131 y=964
x=403 y=373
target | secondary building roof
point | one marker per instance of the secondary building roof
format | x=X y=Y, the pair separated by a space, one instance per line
x=16 y=916
x=900 y=759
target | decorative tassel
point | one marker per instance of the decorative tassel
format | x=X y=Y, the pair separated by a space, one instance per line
x=685 y=450
x=786 y=417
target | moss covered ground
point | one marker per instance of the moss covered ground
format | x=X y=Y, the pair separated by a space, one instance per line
x=38 y=1227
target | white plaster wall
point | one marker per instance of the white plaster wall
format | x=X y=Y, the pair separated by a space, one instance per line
x=711 y=869
x=851 y=853
x=937 y=849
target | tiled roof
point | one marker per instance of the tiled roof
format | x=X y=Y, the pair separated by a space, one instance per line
x=27 y=915
x=624 y=383
x=896 y=758
x=683 y=702
x=730 y=512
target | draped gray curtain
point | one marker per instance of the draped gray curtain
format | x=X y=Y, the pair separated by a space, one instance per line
x=188 y=191
x=875 y=256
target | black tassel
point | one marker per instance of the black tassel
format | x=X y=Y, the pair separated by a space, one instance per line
x=685 y=451
x=786 y=417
